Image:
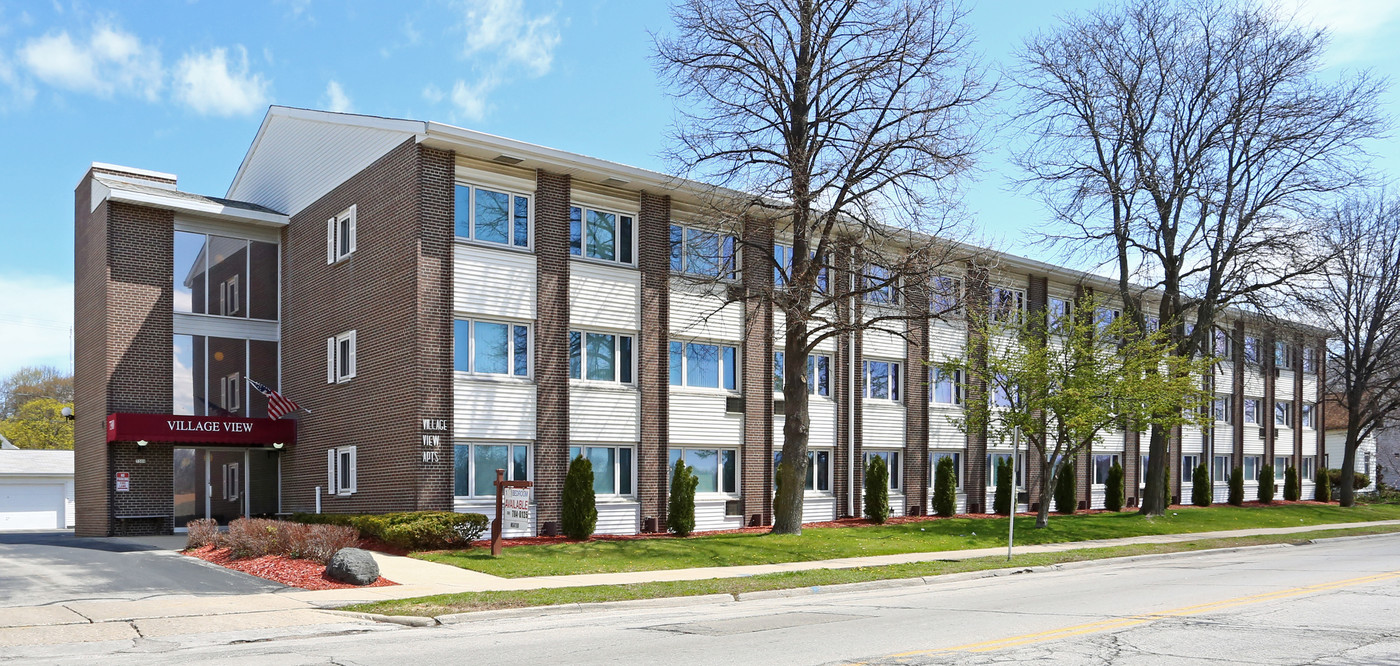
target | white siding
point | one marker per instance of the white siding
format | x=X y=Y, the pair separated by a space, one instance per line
x=493 y=283
x=493 y=409
x=1098 y=497
x=882 y=425
x=1283 y=387
x=618 y=517
x=603 y=415
x=1224 y=379
x=1253 y=443
x=882 y=344
x=488 y=508
x=942 y=433
x=701 y=419
x=604 y=296
x=818 y=508
x=709 y=516
x=821 y=428
x=695 y=314
x=960 y=508
x=1310 y=388
x=1253 y=383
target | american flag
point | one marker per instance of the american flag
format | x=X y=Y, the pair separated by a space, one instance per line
x=276 y=404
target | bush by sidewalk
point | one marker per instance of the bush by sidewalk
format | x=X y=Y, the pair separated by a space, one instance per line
x=256 y=537
x=409 y=530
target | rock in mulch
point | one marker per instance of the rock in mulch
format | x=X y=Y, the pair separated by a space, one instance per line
x=353 y=565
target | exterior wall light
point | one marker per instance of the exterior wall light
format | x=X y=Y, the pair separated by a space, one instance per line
x=67 y=413
x=278 y=445
x=141 y=442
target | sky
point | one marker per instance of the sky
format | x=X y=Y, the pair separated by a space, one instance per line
x=182 y=88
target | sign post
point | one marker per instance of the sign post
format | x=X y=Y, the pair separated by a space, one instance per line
x=512 y=508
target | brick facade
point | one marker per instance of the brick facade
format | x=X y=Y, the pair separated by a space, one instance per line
x=756 y=374
x=551 y=344
x=654 y=358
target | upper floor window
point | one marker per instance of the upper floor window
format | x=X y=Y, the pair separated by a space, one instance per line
x=341 y=235
x=882 y=380
x=1283 y=413
x=211 y=375
x=1007 y=304
x=945 y=295
x=1283 y=355
x=1058 y=311
x=818 y=374
x=1309 y=360
x=491 y=348
x=601 y=235
x=880 y=285
x=1154 y=324
x=340 y=358
x=1252 y=407
x=1222 y=344
x=1309 y=415
x=782 y=259
x=228 y=277
x=702 y=252
x=490 y=216
x=947 y=388
x=1251 y=349
x=1222 y=408
x=1104 y=317
x=600 y=357
x=702 y=365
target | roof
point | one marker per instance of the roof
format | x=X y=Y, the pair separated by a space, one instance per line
x=161 y=195
x=29 y=462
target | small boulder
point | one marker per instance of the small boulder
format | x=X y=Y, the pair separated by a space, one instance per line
x=354 y=566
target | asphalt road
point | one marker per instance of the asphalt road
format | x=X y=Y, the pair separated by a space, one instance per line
x=1336 y=602
x=39 y=568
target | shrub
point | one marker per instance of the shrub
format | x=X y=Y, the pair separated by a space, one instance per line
x=680 y=509
x=202 y=532
x=1114 y=496
x=1202 y=493
x=1266 y=484
x=1358 y=480
x=1066 y=489
x=1291 y=487
x=1324 y=489
x=945 y=487
x=1236 y=497
x=1001 y=502
x=579 y=510
x=410 y=530
x=877 y=490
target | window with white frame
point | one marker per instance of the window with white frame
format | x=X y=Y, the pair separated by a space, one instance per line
x=1142 y=470
x=613 y=469
x=947 y=388
x=1283 y=413
x=1223 y=411
x=818 y=470
x=1222 y=344
x=600 y=357
x=475 y=465
x=341 y=235
x=1058 y=312
x=233 y=481
x=994 y=459
x=705 y=366
x=490 y=347
x=492 y=216
x=1007 y=305
x=945 y=296
x=230 y=297
x=1280 y=467
x=340 y=358
x=1189 y=464
x=601 y=235
x=1104 y=317
x=341 y=470
x=1103 y=463
x=717 y=470
x=1220 y=472
x=1252 y=467
x=1252 y=408
x=231 y=390
x=1309 y=415
x=882 y=380
x=1154 y=324
x=1309 y=361
x=1307 y=471
x=782 y=269
x=892 y=459
x=818 y=374
x=935 y=457
x=703 y=252
x=1251 y=349
x=881 y=285
x=1283 y=355
x=1001 y=391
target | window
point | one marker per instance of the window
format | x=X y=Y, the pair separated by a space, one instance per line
x=230 y=391
x=340 y=236
x=882 y=380
x=782 y=258
x=223 y=276
x=1188 y=468
x=1252 y=467
x=1154 y=324
x=229 y=297
x=1309 y=360
x=716 y=469
x=818 y=374
x=945 y=296
x=341 y=472
x=232 y=482
x=600 y=357
x=1007 y=304
x=1222 y=408
x=994 y=459
x=1306 y=471
x=1001 y=391
x=880 y=285
x=1222 y=345
x=1280 y=467
x=818 y=469
x=702 y=365
x=210 y=373
x=1252 y=408
x=1283 y=413
x=1283 y=355
x=891 y=459
x=947 y=388
x=490 y=348
x=475 y=465
x=1309 y=415
x=340 y=358
x=1058 y=311
x=612 y=468
x=1251 y=350
x=1104 y=317
x=701 y=252
x=934 y=457
x=1142 y=470
x=489 y=216
x=600 y=235
x=1102 y=464
x=1220 y=473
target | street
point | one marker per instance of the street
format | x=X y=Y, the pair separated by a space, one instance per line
x=1332 y=602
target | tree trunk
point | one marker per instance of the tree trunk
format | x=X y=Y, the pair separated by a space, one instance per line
x=1347 y=494
x=1153 y=503
x=1047 y=489
x=787 y=509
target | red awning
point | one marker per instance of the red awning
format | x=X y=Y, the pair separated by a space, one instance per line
x=200 y=429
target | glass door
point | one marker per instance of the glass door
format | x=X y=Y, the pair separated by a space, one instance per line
x=225 y=484
x=225 y=491
x=189 y=487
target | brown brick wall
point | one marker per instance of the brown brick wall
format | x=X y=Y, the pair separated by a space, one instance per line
x=977 y=300
x=916 y=400
x=552 y=195
x=1037 y=308
x=653 y=355
x=845 y=477
x=90 y=453
x=1237 y=451
x=756 y=374
x=1270 y=383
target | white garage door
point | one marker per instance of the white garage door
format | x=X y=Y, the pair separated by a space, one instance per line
x=31 y=506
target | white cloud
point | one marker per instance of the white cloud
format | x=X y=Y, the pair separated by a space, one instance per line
x=432 y=93
x=1353 y=24
x=35 y=318
x=211 y=85
x=471 y=99
x=501 y=39
x=108 y=62
x=336 y=99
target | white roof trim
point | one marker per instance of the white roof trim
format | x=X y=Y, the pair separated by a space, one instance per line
x=103 y=192
x=134 y=171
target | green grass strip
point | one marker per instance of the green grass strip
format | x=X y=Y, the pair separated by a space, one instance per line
x=478 y=601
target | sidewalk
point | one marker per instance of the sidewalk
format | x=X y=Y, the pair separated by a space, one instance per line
x=292 y=611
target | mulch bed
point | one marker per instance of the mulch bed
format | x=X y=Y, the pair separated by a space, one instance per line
x=305 y=574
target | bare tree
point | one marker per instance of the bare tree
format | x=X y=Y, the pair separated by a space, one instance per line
x=843 y=121
x=1187 y=143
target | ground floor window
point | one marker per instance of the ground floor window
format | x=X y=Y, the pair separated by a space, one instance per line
x=818 y=469
x=342 y=470
x=994 y=459
x=934 y=457
x=716 y=469
x=1280 y=467
x=1252 y=466
x=612 y=467
x=1102 y=464
x=475 y=465
x=1221 y=470
x=1188 y=468
x=891 y=459
x=1306 y=471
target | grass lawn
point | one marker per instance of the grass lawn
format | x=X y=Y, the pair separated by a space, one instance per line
x=476 y=601
x=924 y=536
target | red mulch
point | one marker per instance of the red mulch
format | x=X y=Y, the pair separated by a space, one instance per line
x=306 y=574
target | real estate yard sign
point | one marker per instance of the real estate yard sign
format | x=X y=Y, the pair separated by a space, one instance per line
x=516 y=508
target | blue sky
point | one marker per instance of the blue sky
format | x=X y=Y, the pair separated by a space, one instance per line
x=182 y=87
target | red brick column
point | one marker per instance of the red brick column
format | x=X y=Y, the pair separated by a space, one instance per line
x=551 y=344
x=1037 y=306
x=1270 y=382
x=1297 y=454
x=653 y=355
x=916 y=400
x=756 y=376
x=977 y=301
x=434 y=340
x=846 y=477
x=1237 y=450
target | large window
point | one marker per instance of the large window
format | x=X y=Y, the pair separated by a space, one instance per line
x=1104 y=317
x=818 y=374
x=702 y=252
x=1252 y=467
x=227 y=277
x=782 y=269
x=1223 y=408
x=880 y=285
x=891 y=459
x=475 y=465
x=1283 y=413
x=1188 y=467
x=1102 y=464
x=934 y=457
x=1252 y=407
x=491 y=216
x=1220 y=473
x=600 y=357
x=818 y=469
x=945 y=296
x=1309 y=415
x=1007 y=304
x=210 y=375
x=1283 y=355
x=1309 y=361
x=1307 y=471
x=882 y=380
x=1222 y=344
x=1058 y=312
x=1251 y=350
x=491 y=348
x=612 y=467
x=600 y=235
x=947 y=389
x=702 y=365
x=716 y=469
x=1280 y=467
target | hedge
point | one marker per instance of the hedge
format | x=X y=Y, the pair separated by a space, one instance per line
x=579 y=511
x=680 y=508
x=1001 y=501
x=1066 y=489
x=1202 y=494
x=877 y=490
x=1114 y=495
x=945 y=487
x=410 y=530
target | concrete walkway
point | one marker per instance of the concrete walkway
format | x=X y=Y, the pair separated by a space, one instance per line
x=292 y=611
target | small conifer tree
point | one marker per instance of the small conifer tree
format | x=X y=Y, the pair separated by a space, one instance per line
x=1066 y=489
x=579 y=510
x=1291 y=490
x=877 y=490
x=1236 y=487
x=1201 y=491
x=945 y=487
x=1324 y=487
x=1114 y=495
x=1266 y=484
x=680 y=509
x=1001 y=502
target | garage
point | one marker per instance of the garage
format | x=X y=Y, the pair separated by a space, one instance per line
x=36 y=490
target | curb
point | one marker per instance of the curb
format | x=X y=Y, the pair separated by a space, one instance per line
x=567 y=609
x=405 y=620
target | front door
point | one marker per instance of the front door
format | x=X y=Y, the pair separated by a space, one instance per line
x=224 y=484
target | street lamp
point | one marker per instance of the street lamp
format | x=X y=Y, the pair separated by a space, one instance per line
x=67 y=413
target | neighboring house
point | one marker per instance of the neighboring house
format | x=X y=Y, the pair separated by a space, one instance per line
x=36 y=489
x=1367 y=454
x=1388 y=455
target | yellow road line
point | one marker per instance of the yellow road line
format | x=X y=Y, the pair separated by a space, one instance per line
x=1118 y=623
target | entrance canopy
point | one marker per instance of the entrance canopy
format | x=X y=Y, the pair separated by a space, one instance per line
x=226 y=430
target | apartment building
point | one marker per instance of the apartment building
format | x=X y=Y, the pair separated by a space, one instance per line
x=446 y=303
